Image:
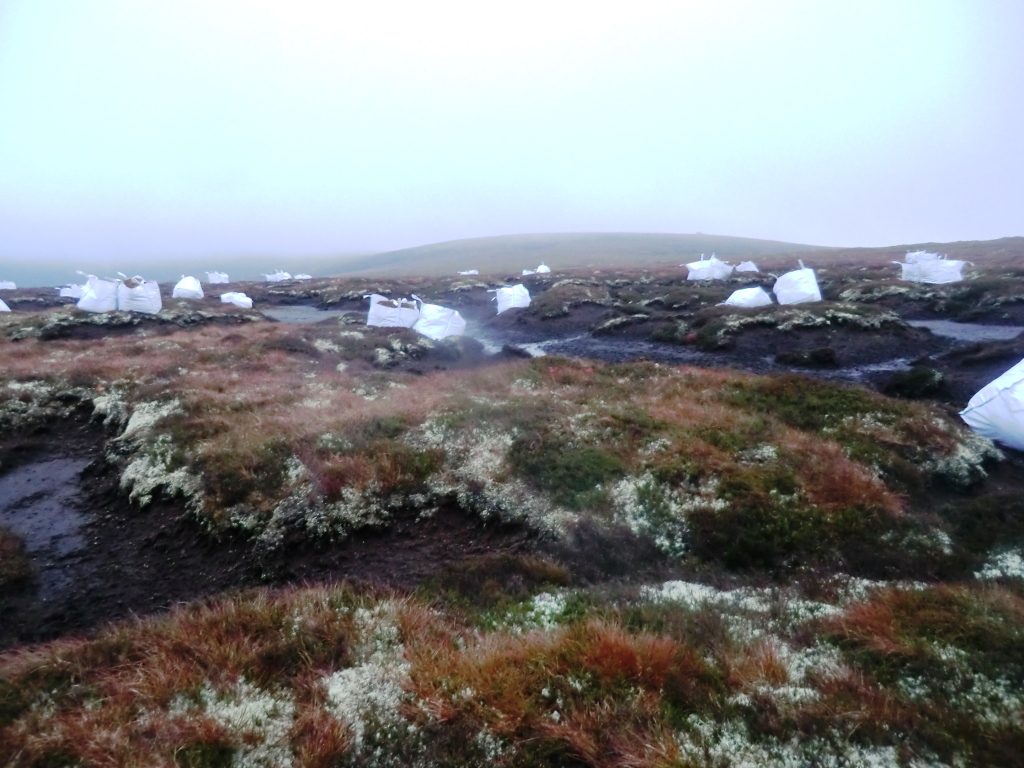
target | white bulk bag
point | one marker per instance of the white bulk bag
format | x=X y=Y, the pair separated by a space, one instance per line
x=470 y=272
x=529 y=272
x=276 y=277
x=917 y=257
x=388 y=313
x=71 y=291
x=187 y=288
x=997 y=410
x=543 y=268
x=7 y=285
x=303 y=276
x=237 y=298
x=98 y=296
x=712 y=269
x=749 y=297
x=931 y=270
x=213 y=278
x=512 y=296
x=797 y=287
x=138 y=295
x=4 y=307
x=437 y=322
x=747 y=266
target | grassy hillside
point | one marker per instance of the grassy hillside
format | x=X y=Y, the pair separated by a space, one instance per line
x=560 y=251
x=1003 y=252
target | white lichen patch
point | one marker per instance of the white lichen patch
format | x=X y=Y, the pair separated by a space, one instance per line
x=150 y=470
x=964 y=465
x=258 y=722
x=325 y=345
x=1003 y=565
x=368 y=695
x=657 y=511
x=145 y=416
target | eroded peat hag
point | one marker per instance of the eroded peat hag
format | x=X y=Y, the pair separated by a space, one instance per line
x=552 y=560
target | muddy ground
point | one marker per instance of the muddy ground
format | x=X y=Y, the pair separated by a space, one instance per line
x=97 y=558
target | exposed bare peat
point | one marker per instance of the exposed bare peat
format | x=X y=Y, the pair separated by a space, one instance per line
x=767 y=541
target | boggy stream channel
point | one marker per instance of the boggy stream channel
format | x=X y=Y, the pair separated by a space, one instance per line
x=96 y=558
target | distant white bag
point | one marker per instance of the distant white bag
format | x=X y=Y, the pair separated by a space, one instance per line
x=138 y=295
x=924 y=267
x=749 y=297
x=388 y=313
x=187 y=288
x=303 y=276
x=4 y=307
x=712 y=269
x=213 y=278
x=529 y=272
x=797 y=287
x=512 y=296
x=437 y=322
x=543 y=268
x=7 y=285
x=997 y=410
x=470 y=272
x=98 y=296
x=237 y=298
x=71 y=291
x=278 y=276
x=747 y=266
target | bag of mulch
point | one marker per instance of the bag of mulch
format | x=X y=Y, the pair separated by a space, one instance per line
x=71 y=291
x=747 y=266
x=237 y=298
x=437 y=322
x=137 y=295
x=214 y=278
x=278 y=276
x=512 y=296
x=797 y=287
x=470 y=272
x=4 y=307
x=7 y=285
x=749 y=297
x=187 y=288
x=997 y=410
x=98 y=296
x=391 y=313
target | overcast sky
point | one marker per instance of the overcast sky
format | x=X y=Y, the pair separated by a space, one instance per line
x=301 y=126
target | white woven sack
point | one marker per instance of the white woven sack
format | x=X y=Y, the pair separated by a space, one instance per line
x=98 y=295
x=138 y=295
x=712 y=269
x=278 y=276
x=213 y=278
x=437 y=322
x=747 y=266
x=7 y=285
x=388 y=313
x=512 y=296
x=470 y=272
x=997 y=410
x=71 y=291
x=237 y=298
x=749 y=297
x=187 y=288
x=917 y=257
x=303 y=276
x=543 y=268
x=797 y=287
x=4 y=307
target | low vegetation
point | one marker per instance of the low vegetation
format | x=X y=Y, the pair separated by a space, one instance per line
x=677 y=674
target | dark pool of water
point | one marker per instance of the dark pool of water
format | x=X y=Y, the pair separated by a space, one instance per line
x=40 y=502
x=970 y=332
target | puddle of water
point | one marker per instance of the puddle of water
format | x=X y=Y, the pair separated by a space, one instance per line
x=39 y=502
x=302 y=314
x=969 y=331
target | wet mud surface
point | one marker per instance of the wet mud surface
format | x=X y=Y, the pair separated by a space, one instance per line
x=98 y=559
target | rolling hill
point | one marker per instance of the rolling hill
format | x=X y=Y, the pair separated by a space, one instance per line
x=561 y=251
